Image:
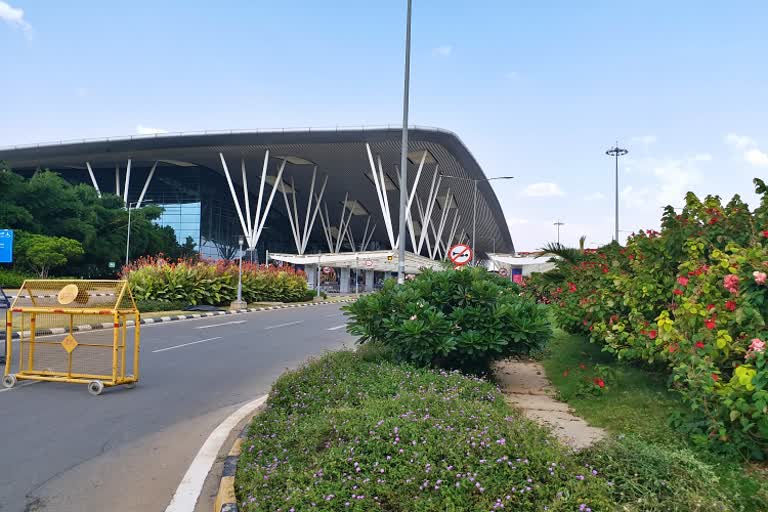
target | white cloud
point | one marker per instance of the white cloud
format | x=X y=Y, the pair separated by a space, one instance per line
x=544 y=189
x=146 y=130
x=645 y=140
x=443 y=50
x=594 y=196
x=756 y=157
x=702 y=157
x=739 y=141
x=14 y=16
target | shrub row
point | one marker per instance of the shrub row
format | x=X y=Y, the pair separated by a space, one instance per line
x=203 y=282
x=693 y=297
x=454 y=319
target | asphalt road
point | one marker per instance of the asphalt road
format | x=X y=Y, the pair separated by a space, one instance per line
x=62 y=449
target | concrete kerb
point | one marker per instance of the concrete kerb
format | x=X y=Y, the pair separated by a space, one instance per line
x=130 y=323
x=225 y=497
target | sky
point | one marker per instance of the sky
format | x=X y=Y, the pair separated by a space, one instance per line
x=536 y=90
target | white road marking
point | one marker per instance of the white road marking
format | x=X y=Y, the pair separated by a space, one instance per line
x=219 y=325
x=337 y=327
x=187 y=344
x=20 y=385
x=188 y=491
x=283 y=325
x=335 y=314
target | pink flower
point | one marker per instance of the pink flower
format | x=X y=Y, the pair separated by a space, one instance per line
x=683 y=281
x=731 y=283
x=757 y=345
x=760 y=277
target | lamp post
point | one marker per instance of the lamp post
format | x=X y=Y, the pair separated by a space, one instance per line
x=404 y=151
x=474 y=203
x=558 y=224
x=616 y=152
x=240 y=270
x=128 y=236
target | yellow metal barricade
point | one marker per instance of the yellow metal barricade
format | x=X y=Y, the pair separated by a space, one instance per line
x=73 y=331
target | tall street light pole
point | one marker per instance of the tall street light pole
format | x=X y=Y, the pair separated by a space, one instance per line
x=404 y=153
x=558 y=224
x=616 y=152
x=474 y=204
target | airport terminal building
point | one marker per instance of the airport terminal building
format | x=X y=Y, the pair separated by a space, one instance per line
x=291 y=192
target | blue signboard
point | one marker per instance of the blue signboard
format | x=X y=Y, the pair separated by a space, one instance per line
x=6 y=246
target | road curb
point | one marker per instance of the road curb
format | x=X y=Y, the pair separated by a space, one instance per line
x=225 y=497
x=130 y=323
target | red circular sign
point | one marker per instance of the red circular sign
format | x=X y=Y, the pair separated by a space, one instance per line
x=460 y=254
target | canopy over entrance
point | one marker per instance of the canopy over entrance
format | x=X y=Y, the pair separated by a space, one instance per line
x=380 y=261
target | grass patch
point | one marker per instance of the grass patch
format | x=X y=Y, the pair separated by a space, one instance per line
x=356 y=431
x=635 y=406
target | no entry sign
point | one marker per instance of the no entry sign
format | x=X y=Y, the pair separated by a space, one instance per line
x=504 y=272
x=460 y=254
x=327 y=270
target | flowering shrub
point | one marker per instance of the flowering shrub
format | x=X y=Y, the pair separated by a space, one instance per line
x=692 y=297
x=194 y=281
x=454 y=318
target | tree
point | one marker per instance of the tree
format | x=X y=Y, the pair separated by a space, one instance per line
x=42 y=253
x=46 y=204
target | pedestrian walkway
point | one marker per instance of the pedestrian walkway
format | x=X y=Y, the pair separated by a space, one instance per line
x=526 y=387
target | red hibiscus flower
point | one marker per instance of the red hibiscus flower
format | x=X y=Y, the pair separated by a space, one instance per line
x=682 y=280
x=730 y=305
x=599 y=382
x=677 y=291
x=715 y=377
x=572 y=287
x=710 y=307
x=710 y=323
x=652 y=334
x=699 y=344
x=673 y=348
x=765 y=233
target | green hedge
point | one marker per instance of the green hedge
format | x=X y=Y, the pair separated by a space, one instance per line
x=13 y=278
x=214 y=283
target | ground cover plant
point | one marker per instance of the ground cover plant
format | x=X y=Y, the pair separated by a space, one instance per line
x=453 y=319
x=645 y=451
x=195 y=281
x=355 y=431
x=692 y=299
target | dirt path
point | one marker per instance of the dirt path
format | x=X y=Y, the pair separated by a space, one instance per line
x=526 y=387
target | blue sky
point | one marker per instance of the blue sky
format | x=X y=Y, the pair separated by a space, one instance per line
x=536 y=90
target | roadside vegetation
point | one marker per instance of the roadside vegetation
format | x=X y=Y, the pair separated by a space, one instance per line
x=360 y=431
x=68 y=230
x=690 y=301
x=158 y=280
x=452 y=319
x=636 y=406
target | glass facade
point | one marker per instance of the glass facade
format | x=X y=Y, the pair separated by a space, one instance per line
x=197 y=204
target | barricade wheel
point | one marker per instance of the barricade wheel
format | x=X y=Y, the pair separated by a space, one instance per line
x=130 y=385
x=9 y=381
x=95 y=387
